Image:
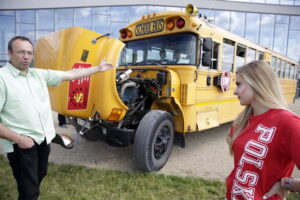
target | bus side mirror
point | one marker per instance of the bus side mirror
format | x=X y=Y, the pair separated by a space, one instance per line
x=206 y=59
x=207 y=44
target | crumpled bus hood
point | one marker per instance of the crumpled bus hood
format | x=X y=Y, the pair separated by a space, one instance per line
x=76 y=48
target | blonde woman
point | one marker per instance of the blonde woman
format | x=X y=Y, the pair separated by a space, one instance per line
x=264 y=138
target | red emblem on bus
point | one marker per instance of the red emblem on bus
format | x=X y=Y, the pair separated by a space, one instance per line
x=79 y=90
x=225 y=81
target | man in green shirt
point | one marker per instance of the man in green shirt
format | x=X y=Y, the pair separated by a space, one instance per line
x=26 y=124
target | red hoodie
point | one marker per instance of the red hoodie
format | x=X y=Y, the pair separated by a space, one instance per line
x=266 y=151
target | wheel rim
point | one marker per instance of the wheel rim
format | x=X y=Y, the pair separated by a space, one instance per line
x=162 y=142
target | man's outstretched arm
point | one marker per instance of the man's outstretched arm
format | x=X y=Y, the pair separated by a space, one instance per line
x=79 y=73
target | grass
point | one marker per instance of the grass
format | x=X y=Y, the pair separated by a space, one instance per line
x=67 y=182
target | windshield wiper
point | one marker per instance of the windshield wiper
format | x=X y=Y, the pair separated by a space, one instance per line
x=136 y=63
x=155 y=63
x=143 y=63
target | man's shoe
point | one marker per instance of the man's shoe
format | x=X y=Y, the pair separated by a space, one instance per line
x=64 y=140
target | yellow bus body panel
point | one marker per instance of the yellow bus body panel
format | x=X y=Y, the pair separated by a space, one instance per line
x=61 y=50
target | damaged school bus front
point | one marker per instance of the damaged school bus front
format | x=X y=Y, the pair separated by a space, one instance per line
x=130 y=104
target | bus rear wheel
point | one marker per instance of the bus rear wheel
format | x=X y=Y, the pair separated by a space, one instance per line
x=153 y=140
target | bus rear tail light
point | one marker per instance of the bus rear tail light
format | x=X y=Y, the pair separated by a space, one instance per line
x=170 y=25
x=180 y=23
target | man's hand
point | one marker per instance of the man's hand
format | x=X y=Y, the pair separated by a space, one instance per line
x=25 y=142
x=22 y=141
x=104 y=66
x=276 y=189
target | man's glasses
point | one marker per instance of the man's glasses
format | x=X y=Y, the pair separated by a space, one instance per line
x=23 y=53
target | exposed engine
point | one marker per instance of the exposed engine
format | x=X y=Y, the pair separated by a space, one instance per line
x=137 y=94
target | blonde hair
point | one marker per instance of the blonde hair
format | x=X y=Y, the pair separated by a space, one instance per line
x=267 y=91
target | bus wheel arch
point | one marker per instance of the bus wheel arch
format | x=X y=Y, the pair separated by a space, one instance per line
x=171 y=105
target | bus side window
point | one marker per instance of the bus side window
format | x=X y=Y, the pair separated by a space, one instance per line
x=206 y=57
x=273 y=64
x=251 y=55
x=282 y=69
x=215 y=55
x=260 y=55
x=292 y=72
x=240 y=56
x=278 y=68
x=287 y=70
x=228 y=55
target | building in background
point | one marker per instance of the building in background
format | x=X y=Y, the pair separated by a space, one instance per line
x=274 y=24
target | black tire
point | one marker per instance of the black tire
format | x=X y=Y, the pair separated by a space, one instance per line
x=153 y=140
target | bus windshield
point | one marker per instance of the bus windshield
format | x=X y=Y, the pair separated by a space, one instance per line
x=175 y=49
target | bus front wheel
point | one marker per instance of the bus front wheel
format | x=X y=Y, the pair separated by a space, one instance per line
x=153 y=140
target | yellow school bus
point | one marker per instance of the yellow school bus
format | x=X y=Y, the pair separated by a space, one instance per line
x=176 y=75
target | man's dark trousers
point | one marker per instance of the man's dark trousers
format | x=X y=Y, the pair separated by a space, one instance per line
x=29 y=167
